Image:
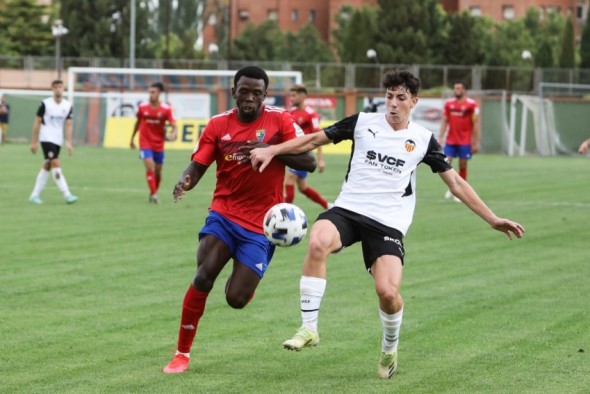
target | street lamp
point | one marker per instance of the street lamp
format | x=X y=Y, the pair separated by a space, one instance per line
x=58 y=29
x=372 y=55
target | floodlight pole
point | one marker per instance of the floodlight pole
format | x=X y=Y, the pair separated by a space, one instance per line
x=58 y=30
x=132 y=28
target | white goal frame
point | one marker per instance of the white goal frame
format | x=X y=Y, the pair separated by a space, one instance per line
x=74 y=71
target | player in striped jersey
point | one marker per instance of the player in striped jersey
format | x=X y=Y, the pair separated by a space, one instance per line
x=375 y=206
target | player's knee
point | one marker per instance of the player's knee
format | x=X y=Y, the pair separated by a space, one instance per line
x=237 y=301
x=388 y=294
x=203 y=281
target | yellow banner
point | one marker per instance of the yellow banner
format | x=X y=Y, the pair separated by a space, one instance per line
x=118 y=135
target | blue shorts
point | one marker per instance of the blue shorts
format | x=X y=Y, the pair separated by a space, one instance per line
x=250 y=248
x=158 y=157
x=460 y=151
x=300 y=174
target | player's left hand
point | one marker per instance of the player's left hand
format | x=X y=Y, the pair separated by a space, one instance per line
x=172 y=136
x=508 y=227
x=181 y=187
x=70 y=148
x=321 y=166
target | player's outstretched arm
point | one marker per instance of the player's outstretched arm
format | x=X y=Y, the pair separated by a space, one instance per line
x=260 y=157
x=303 y=161
x=461 y=189
x=189 y=179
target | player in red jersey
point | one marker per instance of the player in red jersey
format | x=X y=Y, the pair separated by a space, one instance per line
x=233 y=228
x=460 y=117
x=151 y=124
x=309 y=121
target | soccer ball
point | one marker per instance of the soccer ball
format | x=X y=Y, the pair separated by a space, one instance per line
x=285 y=224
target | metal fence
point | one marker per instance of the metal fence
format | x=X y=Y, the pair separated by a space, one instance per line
x=339 y=76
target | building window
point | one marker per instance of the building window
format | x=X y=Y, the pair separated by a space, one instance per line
x=273 y=15
x=244 y=15
x=580 y=14
x=475 y=10
x=311 y=18
x=294 y=15
x=212 y=19
x=508 y=12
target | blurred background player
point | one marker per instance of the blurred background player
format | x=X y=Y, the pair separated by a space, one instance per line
x=4 y=118
x=309 y=121
x=233 y=228
x=53 y=116
x=460 y=118
x=151 y=123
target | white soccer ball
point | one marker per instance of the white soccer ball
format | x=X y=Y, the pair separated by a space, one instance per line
x=285 y=224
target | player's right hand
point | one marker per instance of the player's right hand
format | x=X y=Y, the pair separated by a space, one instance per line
x=181 y=187
x=132 y=145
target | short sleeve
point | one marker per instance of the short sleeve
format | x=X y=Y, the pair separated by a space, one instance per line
x=289 y=128
x=171 y=117
x=41 y=110
x=342 y=130
x=435 y=157
x=204 y=152
x=315 y=122
x=71 y=113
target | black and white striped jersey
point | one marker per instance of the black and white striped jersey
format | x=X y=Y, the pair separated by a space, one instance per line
x=53 y=118
x=380 y=182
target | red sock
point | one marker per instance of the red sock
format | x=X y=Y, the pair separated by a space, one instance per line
x=193 y=307
x=289 y=193
x=315 y=196
x=463 y=173
x=151 y=181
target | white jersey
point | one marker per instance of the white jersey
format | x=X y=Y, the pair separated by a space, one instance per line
x=53 y=118
x=381 y=178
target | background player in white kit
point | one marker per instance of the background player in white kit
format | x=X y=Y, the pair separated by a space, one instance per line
x=375 y=206
x=53 y=117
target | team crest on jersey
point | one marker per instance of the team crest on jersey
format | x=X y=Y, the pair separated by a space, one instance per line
x=260 y=134
x=409 y=145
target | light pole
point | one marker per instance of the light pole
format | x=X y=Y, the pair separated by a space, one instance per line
x=58 y=29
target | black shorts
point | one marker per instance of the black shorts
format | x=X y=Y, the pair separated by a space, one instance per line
x=376 y=239
x=50 y=150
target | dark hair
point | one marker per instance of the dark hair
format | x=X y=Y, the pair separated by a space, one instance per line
x=158 y=85
x=298 y=88
x=394 y=78
x=461 y=82
x=57 y=82
x=251 y=72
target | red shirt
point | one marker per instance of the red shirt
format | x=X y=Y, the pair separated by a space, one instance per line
x=306 y=118
x=241 y=194
x=461 y=116
x=152 y=125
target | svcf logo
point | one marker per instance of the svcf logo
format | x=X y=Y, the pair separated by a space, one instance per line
x=260 y=135
x=409 y=145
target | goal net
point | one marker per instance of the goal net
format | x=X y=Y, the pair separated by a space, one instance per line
x=553 y=122
x=107 y=100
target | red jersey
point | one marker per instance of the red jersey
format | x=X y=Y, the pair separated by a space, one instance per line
x=461 y=116
x=241 y=194
x=152 y=125
x=306 y=118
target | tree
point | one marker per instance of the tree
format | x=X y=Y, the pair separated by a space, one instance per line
x=463 y=45
x=306 y=46
x=567 y=57
x=24 y=29
x=263 y=42
x=100 y=28
x=585 y=43
x=356 y=33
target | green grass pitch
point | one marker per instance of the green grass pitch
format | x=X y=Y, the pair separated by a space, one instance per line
x=90 y=294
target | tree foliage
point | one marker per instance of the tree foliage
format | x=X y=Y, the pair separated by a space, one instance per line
x=567 y=57
x=26 y=28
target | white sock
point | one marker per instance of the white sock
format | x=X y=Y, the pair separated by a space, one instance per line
x=391 y=326
x=312 y=290
x=188 y=355
x=60 y=181
x=40 y=183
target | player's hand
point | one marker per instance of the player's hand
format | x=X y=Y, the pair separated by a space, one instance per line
x=475 y=149
x=321 y=166
x=34 y=147
x=172 y=136
x=260 y=158
x=583 y=148
x=70 y=148
x=132 y=145
x=245 y=150
x=508 y=227
x=181 y=187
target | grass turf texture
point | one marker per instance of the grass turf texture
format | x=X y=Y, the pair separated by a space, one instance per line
x=91 y=293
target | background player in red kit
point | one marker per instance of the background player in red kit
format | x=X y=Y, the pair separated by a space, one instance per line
x=233 y=228
x=151 y=123
x=460 y=116
x=309 y=121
